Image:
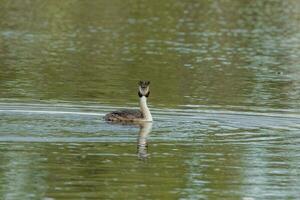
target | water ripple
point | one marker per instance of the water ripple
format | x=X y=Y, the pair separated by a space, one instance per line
x=84 y=123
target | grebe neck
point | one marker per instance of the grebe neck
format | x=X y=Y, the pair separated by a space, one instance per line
x=144 y=109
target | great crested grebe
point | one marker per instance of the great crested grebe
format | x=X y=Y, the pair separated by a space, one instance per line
x=134 y=115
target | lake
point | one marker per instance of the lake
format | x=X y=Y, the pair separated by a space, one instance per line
x=225 y=99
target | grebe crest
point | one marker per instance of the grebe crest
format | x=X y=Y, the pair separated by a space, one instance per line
x=134 y=115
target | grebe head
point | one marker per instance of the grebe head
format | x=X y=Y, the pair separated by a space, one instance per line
x=144 y=88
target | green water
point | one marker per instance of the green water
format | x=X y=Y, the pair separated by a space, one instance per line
x=225 y=98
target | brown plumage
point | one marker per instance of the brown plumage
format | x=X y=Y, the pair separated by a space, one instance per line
x=124 y=115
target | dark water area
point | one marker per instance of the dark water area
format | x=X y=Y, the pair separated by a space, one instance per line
x=225 y=98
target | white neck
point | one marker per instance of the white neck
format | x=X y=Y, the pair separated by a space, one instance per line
x=144 y=109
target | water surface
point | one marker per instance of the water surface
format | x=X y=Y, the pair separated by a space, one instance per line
x=224 y=96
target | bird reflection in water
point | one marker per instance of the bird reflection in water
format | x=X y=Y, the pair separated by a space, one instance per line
x=142 y=145
x=145 y=129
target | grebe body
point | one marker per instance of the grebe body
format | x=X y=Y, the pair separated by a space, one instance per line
x=127 y=115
